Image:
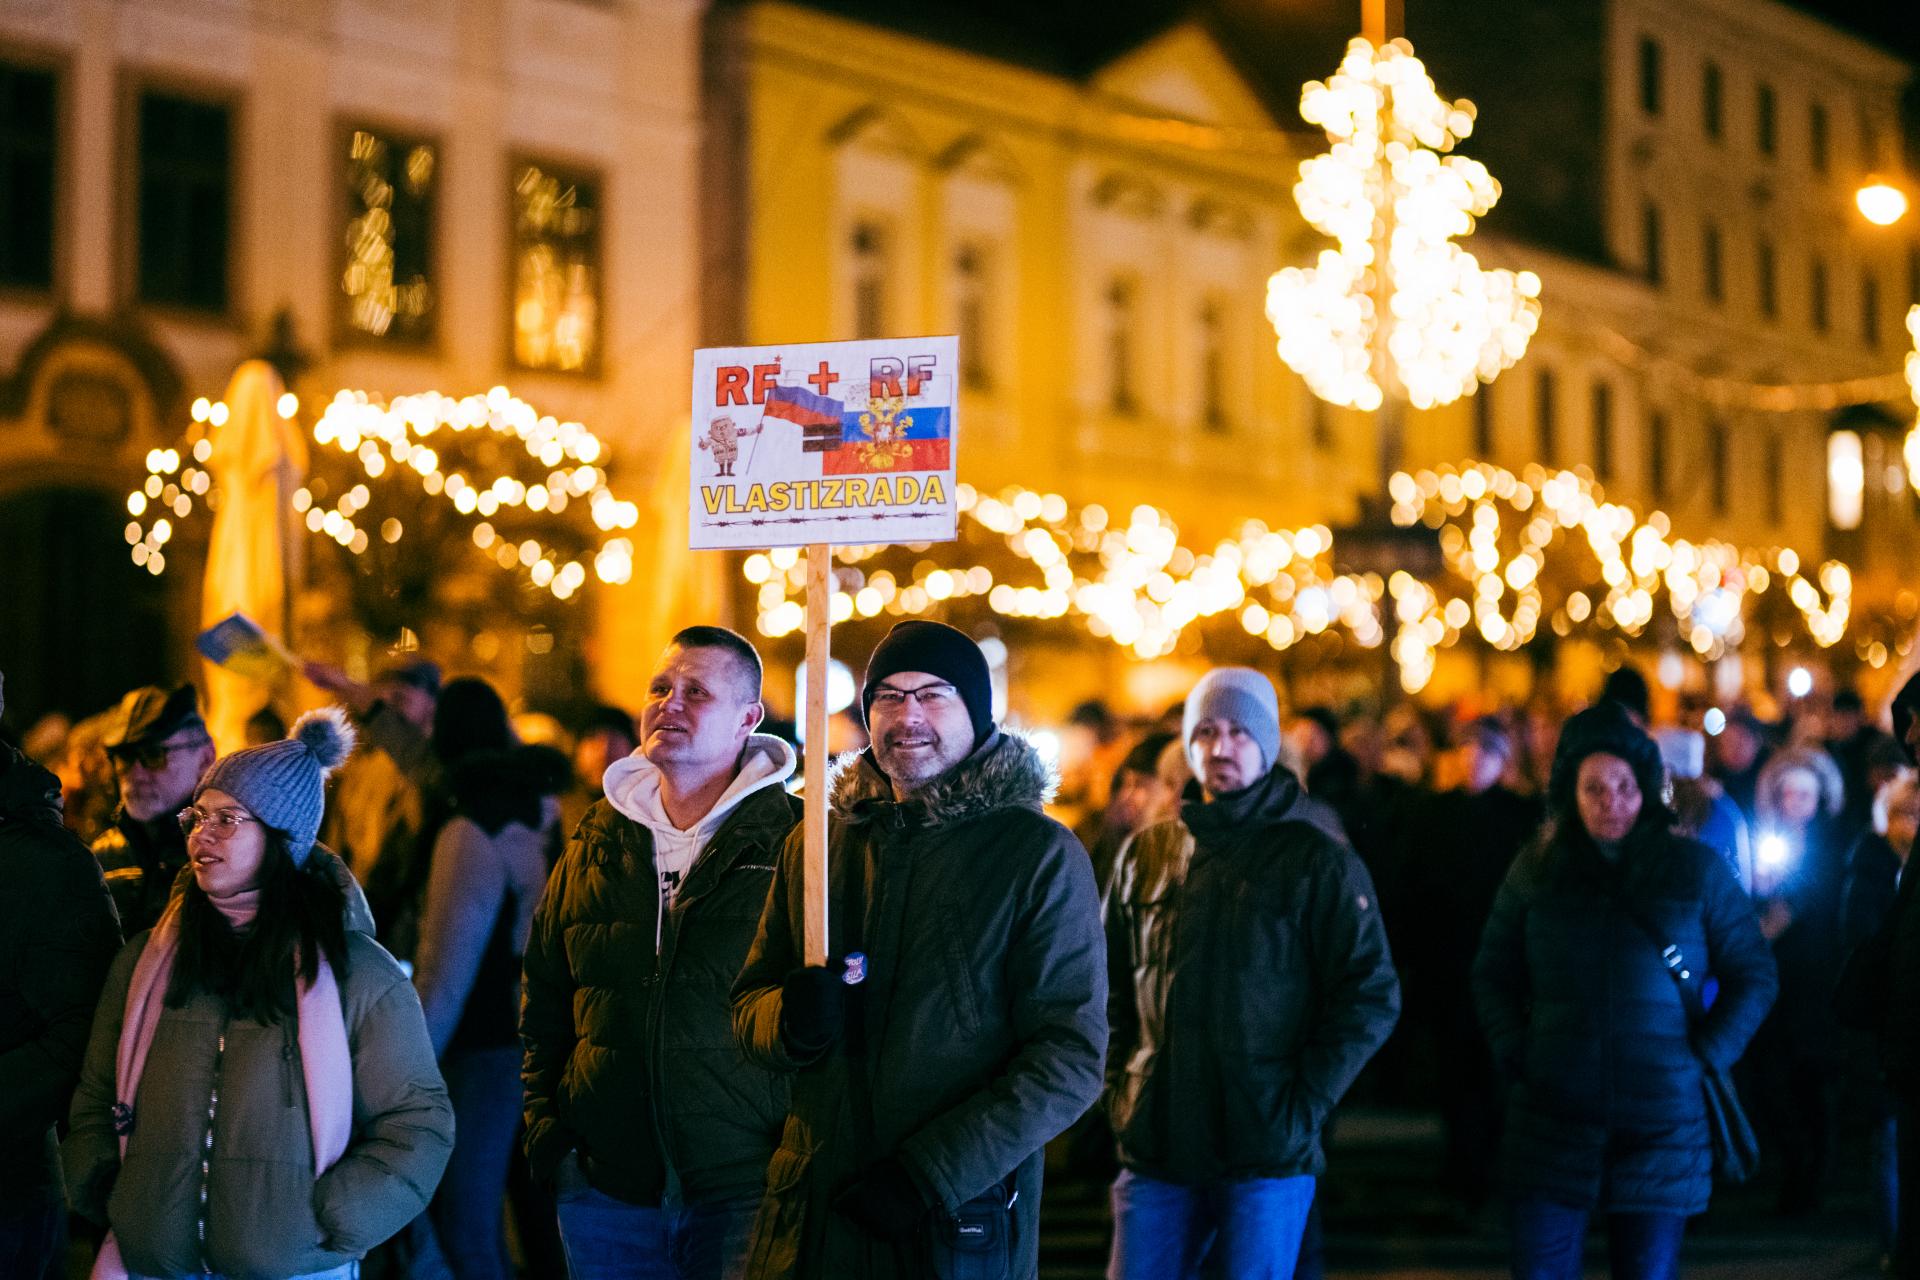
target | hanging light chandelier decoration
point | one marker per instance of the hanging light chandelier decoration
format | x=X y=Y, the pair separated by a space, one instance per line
x=1396 y=305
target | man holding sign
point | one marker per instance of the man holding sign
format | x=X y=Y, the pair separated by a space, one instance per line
x=923 y=1096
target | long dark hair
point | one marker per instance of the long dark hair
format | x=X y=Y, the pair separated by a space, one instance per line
x=302 y=916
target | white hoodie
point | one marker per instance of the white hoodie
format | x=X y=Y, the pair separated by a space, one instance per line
x=632 y=787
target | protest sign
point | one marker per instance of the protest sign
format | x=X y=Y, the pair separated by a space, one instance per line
x=813 y=444
x=826 y=442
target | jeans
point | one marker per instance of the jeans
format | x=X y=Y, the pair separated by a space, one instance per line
x=1163 y=1230
x=609 y=1239
x=33 y=1234
x=1549 y=1238
x=484 y=1086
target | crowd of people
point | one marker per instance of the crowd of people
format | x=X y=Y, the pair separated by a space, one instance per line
x=302 y=1010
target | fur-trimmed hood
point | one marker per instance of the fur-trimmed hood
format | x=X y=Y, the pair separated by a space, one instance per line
x=1004 y=772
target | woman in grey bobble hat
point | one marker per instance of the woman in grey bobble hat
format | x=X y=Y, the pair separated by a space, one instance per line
x=259 y=1096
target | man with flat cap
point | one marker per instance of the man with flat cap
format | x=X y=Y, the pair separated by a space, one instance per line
x=159 y=747
x=923 y=1096
x=1251 y=981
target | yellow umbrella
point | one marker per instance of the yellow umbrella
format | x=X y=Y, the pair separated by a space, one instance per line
x=258 y=459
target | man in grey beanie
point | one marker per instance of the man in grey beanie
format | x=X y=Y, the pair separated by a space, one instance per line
x=1250 y=981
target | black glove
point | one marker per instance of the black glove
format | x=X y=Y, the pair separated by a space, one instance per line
x=882 y=1200
x=813 y=1008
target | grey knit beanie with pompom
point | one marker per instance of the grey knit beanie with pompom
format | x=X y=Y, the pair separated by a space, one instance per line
x=284 y=783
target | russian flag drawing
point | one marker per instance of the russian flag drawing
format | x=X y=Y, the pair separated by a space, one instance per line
x=818 y=417
x=926 y=444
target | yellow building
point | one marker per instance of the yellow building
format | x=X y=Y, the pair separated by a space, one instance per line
x=1102 y=241
x=1104 y=266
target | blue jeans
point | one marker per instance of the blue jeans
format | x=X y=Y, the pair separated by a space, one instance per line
x=484 y=1086
x=33 y=1235
x=1549 y=1238
x=609 y=1239
x=1163 y=1230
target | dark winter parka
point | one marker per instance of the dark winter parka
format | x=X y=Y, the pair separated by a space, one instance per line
x=231 y=1092
x=140 y=861
x=57 y=938
x=980 y=1026
x=1250 y=982
x=1608 y=1112
x=630 y=1054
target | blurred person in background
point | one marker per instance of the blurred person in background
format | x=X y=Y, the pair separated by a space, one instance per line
x=1880 y=990
x=1875 y=869
x=377 y=805
x=607 y=735
x=1735 y=757
x=485 y=874
x=1137 y=797
x=1799 y=861
x=1856 y=744
x=1463 y=842
x=89 y=792
x=1628 y=688
x=58 y=936
x=1577 y=1001
x=1701 y=807
x=160 y=748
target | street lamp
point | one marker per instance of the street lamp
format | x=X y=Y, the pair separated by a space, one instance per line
x=1880 y=202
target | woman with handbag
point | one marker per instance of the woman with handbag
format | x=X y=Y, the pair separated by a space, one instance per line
x=1589 y=986
x=259 y=1096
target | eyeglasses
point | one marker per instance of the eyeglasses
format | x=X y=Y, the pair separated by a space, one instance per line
x=927 y=695
x=220 y=824
x=153 y=755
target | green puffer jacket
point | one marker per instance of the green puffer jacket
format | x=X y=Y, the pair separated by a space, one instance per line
x=266 y=1215
x=1251 y=981
x=630 y=1056
x=981 y=1022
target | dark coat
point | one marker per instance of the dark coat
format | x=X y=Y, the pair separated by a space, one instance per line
x=978 y=1034
x=1578 y=1006
x=58 y=937
x=140 y=861
x=1250 y=979
x=630 y=1055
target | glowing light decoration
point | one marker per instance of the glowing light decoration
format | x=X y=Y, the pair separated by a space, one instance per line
x=1504 y=535
x=392 y=441
x=1428 y=319
x=1912 y=370
x=1126 y=580
x=1880 y=202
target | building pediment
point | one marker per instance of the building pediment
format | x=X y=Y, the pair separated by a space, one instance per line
x=1185 y=74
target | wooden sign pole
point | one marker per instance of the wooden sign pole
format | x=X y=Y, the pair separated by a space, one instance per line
x=814 y=864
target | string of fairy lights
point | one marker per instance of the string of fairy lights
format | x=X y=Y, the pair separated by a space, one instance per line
x=393 y=442
x=1538 y=548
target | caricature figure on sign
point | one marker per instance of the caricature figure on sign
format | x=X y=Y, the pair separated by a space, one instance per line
x=723 y=441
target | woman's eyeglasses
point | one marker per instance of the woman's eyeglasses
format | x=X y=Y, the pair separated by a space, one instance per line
x=220 y=823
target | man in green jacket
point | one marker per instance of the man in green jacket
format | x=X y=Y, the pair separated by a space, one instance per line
x=922 y=1097
x=652 y=1126
x=1250 y=982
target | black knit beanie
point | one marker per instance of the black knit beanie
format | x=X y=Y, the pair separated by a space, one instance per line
x=1606 y=728
x=938 y=650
